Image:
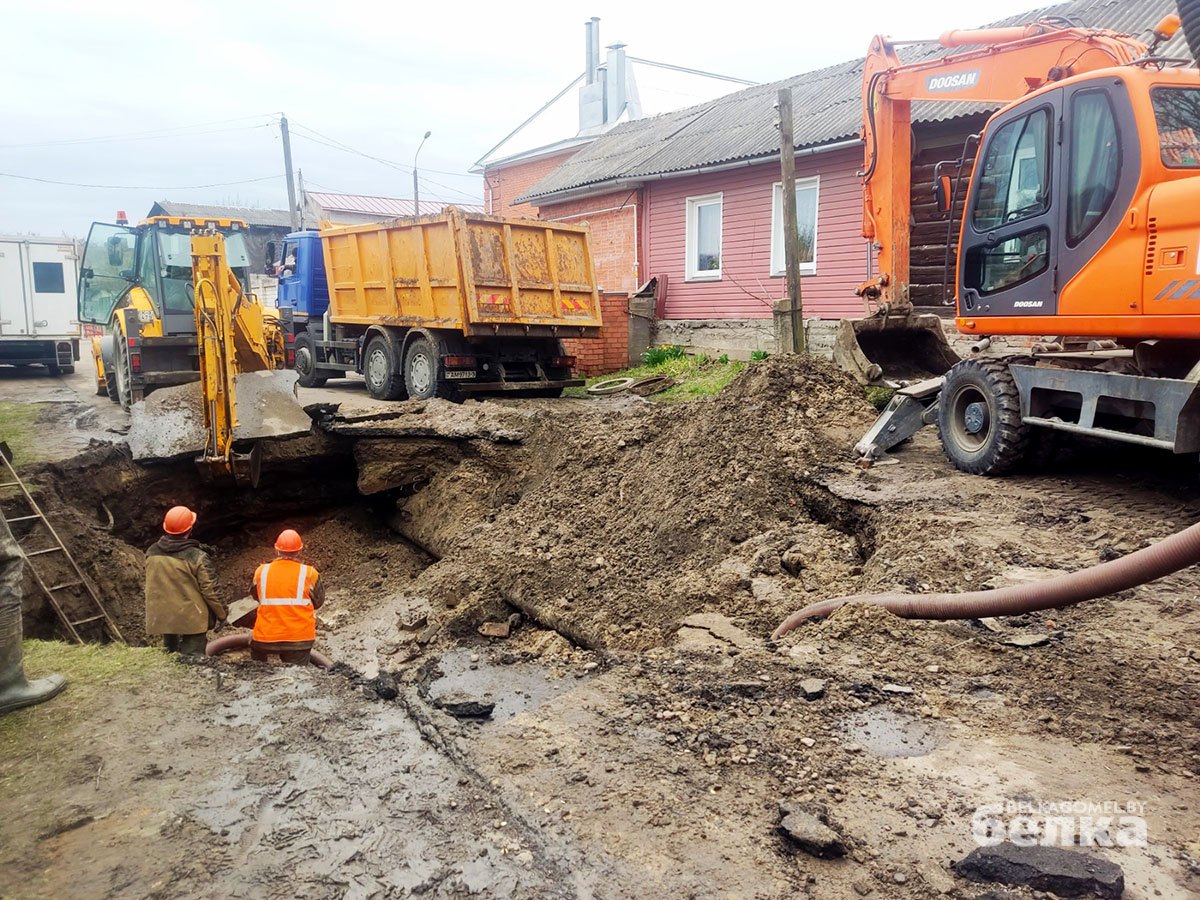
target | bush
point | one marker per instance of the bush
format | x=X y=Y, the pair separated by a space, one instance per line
x=758 y=355
x=656 y=356
x=723 y=359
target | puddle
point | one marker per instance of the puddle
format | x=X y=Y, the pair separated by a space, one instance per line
x=513 y=688
x=883 y=731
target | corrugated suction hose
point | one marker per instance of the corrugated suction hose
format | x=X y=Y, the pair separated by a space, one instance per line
x=1169 y=555
x=241 y=641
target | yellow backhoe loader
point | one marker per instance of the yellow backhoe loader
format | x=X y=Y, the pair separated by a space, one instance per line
x=200 y=364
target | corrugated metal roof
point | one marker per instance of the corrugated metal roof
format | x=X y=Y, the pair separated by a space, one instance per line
x=827 y=105
x=387 y=207
x=270 y=218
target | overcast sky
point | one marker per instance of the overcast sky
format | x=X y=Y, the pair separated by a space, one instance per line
x=85 y=82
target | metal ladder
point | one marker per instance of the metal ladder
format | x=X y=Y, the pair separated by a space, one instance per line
x=97 y=613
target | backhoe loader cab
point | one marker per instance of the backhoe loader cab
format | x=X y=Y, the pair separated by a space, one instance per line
x=136 y=282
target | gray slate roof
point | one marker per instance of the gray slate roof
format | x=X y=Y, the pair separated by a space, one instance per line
x=271 y=218
x=827 y=105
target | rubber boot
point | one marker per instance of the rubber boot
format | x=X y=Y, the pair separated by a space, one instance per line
x=15 y=690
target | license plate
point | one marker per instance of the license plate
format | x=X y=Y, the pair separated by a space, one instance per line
x=460 y=375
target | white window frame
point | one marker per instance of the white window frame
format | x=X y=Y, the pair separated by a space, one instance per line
x=693 y=205
x=778 y=262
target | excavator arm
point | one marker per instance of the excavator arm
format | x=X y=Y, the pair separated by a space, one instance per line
x=246 y=391
x=1000 y=66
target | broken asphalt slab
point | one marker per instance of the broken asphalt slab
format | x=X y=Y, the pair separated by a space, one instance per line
x=1066 y=873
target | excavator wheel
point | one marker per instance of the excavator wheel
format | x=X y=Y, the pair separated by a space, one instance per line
x=979 y=418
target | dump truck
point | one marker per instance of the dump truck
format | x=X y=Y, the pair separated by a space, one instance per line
x=37 y=315
x=449 y=305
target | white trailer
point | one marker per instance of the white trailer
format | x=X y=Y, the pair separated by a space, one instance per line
x=39 y=323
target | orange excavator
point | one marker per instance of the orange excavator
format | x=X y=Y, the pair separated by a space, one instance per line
x=1080 y=229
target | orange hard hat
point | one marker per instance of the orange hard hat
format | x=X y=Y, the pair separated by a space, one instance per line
x=289 y=542
x=178 y=520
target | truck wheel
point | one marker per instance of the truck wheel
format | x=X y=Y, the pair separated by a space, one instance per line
x=979 y=418
x=381 y=369
x=422 y=377
x=306 y=362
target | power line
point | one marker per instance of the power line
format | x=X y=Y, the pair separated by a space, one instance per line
x=152 y=133
x=138 y=187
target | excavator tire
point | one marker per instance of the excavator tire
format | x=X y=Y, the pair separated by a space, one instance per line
x=382 y=369
x=979 y=418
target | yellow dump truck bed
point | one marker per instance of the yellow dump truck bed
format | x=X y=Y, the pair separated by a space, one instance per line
x=483 y=275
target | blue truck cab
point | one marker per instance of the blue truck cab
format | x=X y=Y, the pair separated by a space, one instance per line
x=303 y=286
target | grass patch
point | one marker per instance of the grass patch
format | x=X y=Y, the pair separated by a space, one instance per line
x=93 y=671
x=698 y=376
x=18 y=427
x=879 y=397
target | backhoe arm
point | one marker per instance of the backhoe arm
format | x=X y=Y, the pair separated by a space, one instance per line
x=236 y=338
x=1003 y=65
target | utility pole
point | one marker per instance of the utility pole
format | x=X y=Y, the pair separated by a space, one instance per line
x=416 y=189
x=287 y=167
x=300 y=190
x=791 y=230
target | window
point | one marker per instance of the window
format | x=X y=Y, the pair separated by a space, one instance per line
x=703 y=238
x=806 y=226
x=1094 y=166
x=1177 y=111
x=1014 y=183
x=1008 y=263
x=48 y=278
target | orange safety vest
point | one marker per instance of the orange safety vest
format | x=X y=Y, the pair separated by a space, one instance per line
x=285 y=608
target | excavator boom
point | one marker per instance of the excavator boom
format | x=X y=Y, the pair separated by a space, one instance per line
x=893 y=345
x=247 y=393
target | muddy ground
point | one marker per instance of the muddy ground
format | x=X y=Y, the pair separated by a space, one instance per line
x=644 y=731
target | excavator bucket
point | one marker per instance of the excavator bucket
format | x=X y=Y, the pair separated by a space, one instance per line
x=169 y=423
x=894 y=349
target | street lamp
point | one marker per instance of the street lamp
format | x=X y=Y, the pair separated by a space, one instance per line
x=416 y=190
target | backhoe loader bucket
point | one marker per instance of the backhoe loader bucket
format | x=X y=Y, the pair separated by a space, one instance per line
x=887 y=350
x=170 y=422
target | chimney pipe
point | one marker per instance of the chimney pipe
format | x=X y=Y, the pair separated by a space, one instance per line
x=593 y=48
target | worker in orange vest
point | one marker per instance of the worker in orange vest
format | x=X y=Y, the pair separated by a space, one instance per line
x=289 y=593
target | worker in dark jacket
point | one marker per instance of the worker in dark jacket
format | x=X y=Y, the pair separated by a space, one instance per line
x=181 y=587
x=15 y=690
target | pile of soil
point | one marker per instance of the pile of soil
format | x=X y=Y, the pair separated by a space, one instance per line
x=616 y=527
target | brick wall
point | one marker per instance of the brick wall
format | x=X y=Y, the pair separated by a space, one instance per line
x=504 y=184
x=610 y=351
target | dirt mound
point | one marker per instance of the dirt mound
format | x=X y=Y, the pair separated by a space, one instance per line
x=623 y=524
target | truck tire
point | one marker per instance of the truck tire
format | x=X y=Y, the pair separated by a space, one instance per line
x=381 y=369
x=422 y=371
x=979 y=418
x=306 y=362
